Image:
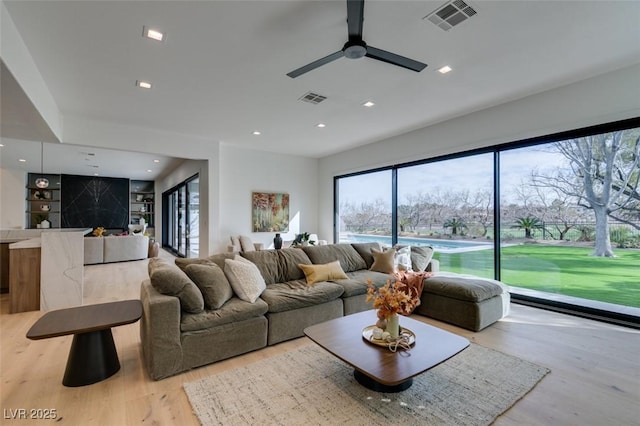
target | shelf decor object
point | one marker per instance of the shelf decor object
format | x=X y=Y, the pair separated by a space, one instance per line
x=42 y=182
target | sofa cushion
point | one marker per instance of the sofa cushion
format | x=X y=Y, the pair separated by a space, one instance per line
x=296 y=294
x=246 y=244
x=245 y=278
x=182 y=262
x=234 y=310
x=463 y=287
x=170 y=280
x=327 y=272
x=212 y=282
x=364 y=250
x=383 y=261
x=356 y=283
x=219 y=259
x=420 y=256
x=278 y=266
x=349 y=258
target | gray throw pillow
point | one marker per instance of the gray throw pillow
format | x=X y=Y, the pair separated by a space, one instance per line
x=182 y=262
x=420 y=256
x=170 y=280
x=212 y=282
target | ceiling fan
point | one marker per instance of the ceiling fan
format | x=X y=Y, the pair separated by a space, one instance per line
x=356 y=48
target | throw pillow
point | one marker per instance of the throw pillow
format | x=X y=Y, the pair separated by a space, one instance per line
x=246 y=244
x=170 y=280
x=324 y=272
x=383 y=261
x=402 y=259
x=245 y=278
x=212 y=282
x=183 y=262
x=420 y=257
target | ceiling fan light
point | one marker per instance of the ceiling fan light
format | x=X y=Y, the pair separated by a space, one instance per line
x=42 y=183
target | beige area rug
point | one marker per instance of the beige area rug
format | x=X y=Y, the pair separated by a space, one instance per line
x=309 y=386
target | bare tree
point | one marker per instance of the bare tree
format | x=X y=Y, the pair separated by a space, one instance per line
x=602 y=170
x=366 y=216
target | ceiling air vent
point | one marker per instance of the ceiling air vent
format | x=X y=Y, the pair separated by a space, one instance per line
x=451 y=14
x=312 y=98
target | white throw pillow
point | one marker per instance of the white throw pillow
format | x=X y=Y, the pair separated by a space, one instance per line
x=245 y=278
x=402 y=259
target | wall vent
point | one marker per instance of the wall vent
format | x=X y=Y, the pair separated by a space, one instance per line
x=451 y=14
x=312 y=98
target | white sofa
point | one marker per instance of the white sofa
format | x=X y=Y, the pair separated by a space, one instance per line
x=115 y=248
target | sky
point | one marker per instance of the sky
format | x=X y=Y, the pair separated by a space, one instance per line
x=473 y=173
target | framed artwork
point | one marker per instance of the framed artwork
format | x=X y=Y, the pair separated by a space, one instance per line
x=270 y=212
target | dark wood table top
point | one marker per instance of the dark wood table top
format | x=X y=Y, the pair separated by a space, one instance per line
x=342 y=337
x=85 y=319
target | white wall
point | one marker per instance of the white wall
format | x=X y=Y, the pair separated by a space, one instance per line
x=12 y=198
x=609 y=97
x=243 y=171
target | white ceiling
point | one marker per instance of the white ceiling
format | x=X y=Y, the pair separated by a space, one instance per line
x=221 y=74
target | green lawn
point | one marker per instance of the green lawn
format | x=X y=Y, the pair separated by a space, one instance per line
x=564 y=270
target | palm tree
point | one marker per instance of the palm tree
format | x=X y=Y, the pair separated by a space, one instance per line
x=454 y=223
x=528 y=223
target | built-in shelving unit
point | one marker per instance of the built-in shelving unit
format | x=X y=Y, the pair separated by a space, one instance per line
x=142 y=200
x=43 y=203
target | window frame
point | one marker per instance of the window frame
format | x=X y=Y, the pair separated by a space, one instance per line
x=593 y=310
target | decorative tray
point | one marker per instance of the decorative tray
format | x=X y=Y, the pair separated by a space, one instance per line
x=367 y=334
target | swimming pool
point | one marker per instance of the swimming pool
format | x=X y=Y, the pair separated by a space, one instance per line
x=445 y=246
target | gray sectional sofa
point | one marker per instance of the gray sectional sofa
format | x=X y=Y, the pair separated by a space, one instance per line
x=180 y=332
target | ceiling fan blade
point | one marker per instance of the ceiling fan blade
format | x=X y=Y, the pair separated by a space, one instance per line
x=355 y=16
x=313 y=65
x=392 y=58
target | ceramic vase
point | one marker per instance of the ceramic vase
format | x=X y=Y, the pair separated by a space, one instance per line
x=393 y=325
x=277 y=242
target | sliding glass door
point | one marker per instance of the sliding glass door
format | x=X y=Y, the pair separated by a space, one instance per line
x=181 y=213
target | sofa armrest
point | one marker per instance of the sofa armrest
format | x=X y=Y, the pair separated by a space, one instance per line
x=433 y=266
x=160 y=332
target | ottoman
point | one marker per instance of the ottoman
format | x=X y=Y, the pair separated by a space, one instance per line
x=464 y=300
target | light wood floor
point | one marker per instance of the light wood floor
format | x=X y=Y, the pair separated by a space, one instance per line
x=594 y=379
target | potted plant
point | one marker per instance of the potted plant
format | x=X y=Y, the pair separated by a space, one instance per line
x=303 y=239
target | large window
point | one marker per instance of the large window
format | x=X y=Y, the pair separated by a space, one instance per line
x=449 y=205
x=566 y=230
x=364 y=209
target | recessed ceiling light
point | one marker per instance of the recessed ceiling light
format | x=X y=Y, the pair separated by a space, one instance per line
x=1 y=145
x=143 y=84
x=22 y=160
x=445 y=69
x=149 y=170
x=153 y=34
x=256 y=133
x=368 y=104
x=321 y=125
x=96 y=174
x=156 y=161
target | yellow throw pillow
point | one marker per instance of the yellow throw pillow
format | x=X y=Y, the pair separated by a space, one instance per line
x=328 y=271
x=383 y=261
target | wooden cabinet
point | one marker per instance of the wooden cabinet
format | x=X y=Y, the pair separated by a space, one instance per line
x=142 y=201
x=24 y=280
x=43 y=203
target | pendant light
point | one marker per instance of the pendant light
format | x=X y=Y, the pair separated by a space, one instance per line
x=42 y=182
